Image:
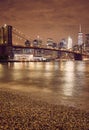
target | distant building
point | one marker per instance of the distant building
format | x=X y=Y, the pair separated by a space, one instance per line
x=35 y=43
x=62 y=44
x=80 y=37
x=86 y=42
x=1 y=35
x=70 y=43
x=87 y=38
x=49 y=42
x=54 y=45
x=27 y=43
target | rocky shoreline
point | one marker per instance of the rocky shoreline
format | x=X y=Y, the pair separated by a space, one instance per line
x=19 y=111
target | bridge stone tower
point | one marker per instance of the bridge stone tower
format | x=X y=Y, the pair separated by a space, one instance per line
x=6 y=35
x=5 y=42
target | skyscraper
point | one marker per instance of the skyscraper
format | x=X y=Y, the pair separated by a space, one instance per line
x=87 y=42
x=1 y=35
x=70 y=43
x=80 y=36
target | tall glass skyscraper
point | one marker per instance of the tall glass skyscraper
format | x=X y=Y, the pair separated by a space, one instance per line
x=80 y=36
x=70 y=43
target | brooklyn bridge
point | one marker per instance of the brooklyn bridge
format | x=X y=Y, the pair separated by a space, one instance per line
x=10 y=50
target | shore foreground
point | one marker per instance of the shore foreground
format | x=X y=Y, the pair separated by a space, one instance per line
x=19 y=111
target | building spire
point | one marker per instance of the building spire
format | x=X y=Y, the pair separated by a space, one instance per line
x=80 y=29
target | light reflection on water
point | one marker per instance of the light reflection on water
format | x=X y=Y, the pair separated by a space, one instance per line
x=57 y=82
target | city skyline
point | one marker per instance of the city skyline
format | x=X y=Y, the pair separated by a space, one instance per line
x=50 y=18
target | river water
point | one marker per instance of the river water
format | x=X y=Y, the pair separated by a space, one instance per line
x=63 y=82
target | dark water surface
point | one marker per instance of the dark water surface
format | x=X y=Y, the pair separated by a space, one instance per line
x=64 y=82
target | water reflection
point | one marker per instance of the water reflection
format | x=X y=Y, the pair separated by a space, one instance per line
x=51 y=81
x=69 y=79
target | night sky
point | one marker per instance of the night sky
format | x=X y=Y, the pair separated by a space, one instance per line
x=55 y=19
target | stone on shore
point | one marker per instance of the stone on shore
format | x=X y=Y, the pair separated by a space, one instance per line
x=19 y=111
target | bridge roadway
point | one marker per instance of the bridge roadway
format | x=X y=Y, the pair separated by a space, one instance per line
x=52 y=49
x=77 y=55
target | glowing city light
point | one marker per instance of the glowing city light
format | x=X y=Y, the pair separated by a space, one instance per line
x=80 y=36
x=5 y=25
x=70 y=43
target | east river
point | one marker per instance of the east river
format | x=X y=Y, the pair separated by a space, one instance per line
x=63 y=82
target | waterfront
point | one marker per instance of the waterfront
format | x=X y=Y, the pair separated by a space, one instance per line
x=30 y=89
x=65 y=82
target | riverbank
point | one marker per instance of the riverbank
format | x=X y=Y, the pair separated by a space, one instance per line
x=19 y=111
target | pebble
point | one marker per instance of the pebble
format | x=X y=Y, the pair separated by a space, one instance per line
x=21 y=112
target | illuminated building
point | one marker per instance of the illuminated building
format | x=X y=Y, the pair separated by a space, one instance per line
x=6 y=35
x=70 y=43
x=62 y=44
x=35 y=43
x=50 y=42
x=1 y=35
x=80 y=37
x=87 y=38
x=87 y=42
x=27 y=43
